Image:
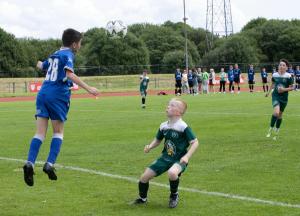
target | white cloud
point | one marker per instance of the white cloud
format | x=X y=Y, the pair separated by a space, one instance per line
x=47 y=19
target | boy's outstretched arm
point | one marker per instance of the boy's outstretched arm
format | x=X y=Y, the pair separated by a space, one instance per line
x=78 y=81
x=194 y=145
x=39 y=65
x=152 y=145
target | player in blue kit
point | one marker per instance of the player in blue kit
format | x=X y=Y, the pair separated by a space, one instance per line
x=178 y=85
x=291 y=71
x=251 y=75
x=230 y=78
x=264 y=78
x=53 y=102
x=237 y=77
x=297 y=77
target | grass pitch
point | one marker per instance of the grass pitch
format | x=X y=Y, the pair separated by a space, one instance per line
x=108 y=135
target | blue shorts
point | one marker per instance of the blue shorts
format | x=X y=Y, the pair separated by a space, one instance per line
x=53 y=108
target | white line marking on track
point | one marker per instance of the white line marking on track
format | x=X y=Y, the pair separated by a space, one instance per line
x=193 y=190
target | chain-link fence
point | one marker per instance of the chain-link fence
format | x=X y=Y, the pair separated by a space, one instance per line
x=104 y=83
x=125 y=82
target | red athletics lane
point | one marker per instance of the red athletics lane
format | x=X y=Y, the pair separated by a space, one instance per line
x=104 y=94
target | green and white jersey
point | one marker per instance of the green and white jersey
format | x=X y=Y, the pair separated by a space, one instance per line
x=144 y=80
x=222 y=76
x=177 y=139
x=284 y=80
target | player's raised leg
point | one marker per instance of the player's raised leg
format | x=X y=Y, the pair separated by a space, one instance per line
x=36 y=142
x=56 y=142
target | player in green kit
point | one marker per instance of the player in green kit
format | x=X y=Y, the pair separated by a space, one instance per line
x=175 y=156
x=282 y=83
x=144 y=80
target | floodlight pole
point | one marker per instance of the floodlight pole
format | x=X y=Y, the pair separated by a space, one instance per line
x=185 y=36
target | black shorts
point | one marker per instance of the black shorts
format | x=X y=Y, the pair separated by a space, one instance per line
x=251 y=82
x=211 y=83
x=298 y=81
x=178 y=84
x=191 y=84
x=265 y=80
x=237 y=80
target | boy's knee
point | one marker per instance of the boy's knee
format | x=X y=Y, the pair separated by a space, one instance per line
x=40 y=136
x=145 y=178
x=276 y=114
x=173 y=175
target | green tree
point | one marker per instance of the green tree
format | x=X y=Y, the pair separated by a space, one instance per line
x=254 y=24
x=112 y=55
x=237 y=48
x=12 y=55
x=161 y=40
x=36 y=50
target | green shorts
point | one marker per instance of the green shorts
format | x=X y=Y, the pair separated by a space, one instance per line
x=276 y=102
x=143 y=92
x=161 y=165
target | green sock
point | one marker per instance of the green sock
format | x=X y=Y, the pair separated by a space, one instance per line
x=278 y=123
x=273 y=121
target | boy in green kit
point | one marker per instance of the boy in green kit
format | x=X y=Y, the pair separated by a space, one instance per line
x=175 y=155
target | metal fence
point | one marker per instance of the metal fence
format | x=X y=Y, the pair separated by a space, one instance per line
x=108 y=84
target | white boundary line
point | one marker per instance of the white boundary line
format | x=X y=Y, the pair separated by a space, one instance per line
x=193 y=190
x=158 y=112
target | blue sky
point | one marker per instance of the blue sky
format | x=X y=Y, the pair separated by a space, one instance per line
x=47 y=19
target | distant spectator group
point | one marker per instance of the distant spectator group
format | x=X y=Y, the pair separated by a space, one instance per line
x=198 y=81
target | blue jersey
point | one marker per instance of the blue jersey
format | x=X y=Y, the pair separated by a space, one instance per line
x=251 y=74
x=178 y=75
x=236 y=73
x=291 y=71
x=56 y=82
x=190 y=76
x=264 y=74
x=297 y=74
x=230 y=75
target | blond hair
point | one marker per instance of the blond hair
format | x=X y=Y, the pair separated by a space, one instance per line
x=182 y=105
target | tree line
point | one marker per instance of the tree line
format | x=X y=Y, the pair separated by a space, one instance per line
x=159 y=48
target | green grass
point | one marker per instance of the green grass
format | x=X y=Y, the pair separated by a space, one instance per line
x=109 y=135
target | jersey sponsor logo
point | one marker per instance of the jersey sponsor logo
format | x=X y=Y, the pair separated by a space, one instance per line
x=174 y=135
x=170 y=147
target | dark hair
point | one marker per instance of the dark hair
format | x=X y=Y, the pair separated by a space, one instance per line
x=285 y=61
x=70 y=36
